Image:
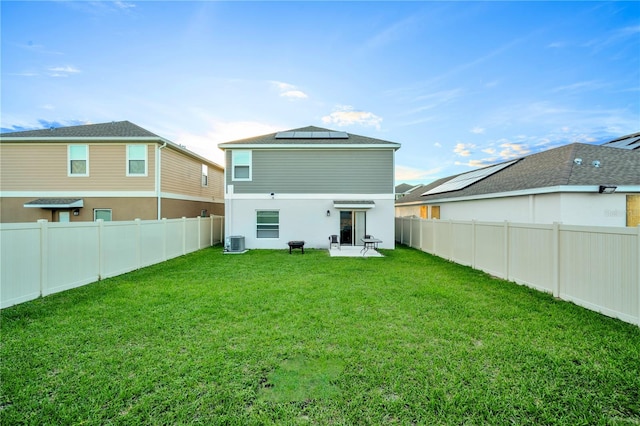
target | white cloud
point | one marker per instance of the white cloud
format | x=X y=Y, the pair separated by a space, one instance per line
x=405 y=173
x=346 y=115
x=206 y=143
x=437 y=145
x=513 y=150
x=463 y=149
x=294 y=94
x=477 y=130
x=289 y=91
x=66 y=69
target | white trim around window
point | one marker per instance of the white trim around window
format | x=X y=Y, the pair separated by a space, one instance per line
x=104 y=214
x=205 y=175
x=267 y=224
x=241 y=164
x=77 y=160
x=137 y=162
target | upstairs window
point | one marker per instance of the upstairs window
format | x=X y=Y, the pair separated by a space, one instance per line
x=268 y=224
x=241 y=164
x=205 y=175
x=78 y=164
x=136 y=160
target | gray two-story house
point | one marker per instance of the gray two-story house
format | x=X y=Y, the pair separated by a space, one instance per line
x=307 y=184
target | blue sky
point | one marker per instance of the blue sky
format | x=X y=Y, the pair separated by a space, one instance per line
x=459 y=84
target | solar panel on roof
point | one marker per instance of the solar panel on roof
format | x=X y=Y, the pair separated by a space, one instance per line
x=312 y=135
x=467 y=179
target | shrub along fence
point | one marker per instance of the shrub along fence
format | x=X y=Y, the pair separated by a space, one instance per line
x=42 y=258
x=594 y=267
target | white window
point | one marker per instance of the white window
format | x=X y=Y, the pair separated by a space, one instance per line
x=78 y=164
x=104 y=214
x=136 y=160
x=205 y=175
x=241 y=164
x=268 y=224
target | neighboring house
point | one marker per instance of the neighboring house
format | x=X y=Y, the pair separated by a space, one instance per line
x=307 y=184
x=403 y=189
x=576 y=184
x=111 y=171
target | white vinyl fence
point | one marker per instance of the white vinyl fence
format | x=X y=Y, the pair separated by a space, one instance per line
x=594 y=267
x=42 y=258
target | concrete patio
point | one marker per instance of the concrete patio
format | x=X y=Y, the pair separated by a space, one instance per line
x=353 y=251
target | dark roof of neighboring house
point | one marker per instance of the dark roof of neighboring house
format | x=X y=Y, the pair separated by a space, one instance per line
x=271 y=139
x=551 y=168
x=627 y=142
x=403 y=187
x=114 y=129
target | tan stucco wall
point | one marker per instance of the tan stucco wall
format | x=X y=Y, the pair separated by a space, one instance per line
x=12 y=210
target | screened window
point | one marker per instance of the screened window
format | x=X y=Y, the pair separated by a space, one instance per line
x=268 y=224
x=205 y=175
x=136 y=160
x=104 y=214
x=241 y=164
x=78 y=160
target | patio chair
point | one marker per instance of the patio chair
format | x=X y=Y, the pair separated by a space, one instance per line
x=334 y=241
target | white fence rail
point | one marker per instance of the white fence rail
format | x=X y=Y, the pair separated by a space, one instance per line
x=594 y=267
x=42 y=258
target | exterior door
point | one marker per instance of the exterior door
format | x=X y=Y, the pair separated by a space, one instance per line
x=63 y=216
x=353 y=227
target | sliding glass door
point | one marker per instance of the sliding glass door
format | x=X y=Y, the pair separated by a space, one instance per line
x=353 y=227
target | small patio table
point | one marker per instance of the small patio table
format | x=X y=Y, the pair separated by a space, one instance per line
x=369 y=243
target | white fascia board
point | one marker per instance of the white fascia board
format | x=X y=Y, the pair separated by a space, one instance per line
x=279 y=196
x=534 y=191
x=395 y=146
x=78 y=194
x=173 y=196
x=26 y=140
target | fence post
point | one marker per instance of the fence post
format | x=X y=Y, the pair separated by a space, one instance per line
x=164 y=238
x=44 y=254
x=199 y=230
x=473 y=243
x=184 y=235
x=211 y=230
x=506 y=250
x=556 y=259
x=638 y=272
x=100 y=249
x=138 y=243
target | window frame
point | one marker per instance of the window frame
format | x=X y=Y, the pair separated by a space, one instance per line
x=241 y=162
x=205 y=176
x=145 y=159
x=71 y=158
x=103 y=210
x=267 y=227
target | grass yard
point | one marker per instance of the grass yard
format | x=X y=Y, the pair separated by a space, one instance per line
x=272 y=338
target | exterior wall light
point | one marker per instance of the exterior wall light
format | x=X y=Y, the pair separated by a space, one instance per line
x=607 y=189
x=328 y=213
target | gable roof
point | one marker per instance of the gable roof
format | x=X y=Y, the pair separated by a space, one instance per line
x=102 y=132
x=566 y=168
x=115 y=129
x=272 y=140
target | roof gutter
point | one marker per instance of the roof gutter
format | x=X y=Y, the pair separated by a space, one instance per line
x=532 y=191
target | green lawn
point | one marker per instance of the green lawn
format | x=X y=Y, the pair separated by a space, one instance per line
x=273 y=338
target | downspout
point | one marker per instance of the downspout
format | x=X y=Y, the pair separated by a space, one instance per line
x=158 y=179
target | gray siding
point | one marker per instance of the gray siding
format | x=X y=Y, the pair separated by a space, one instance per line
x=317 y=171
